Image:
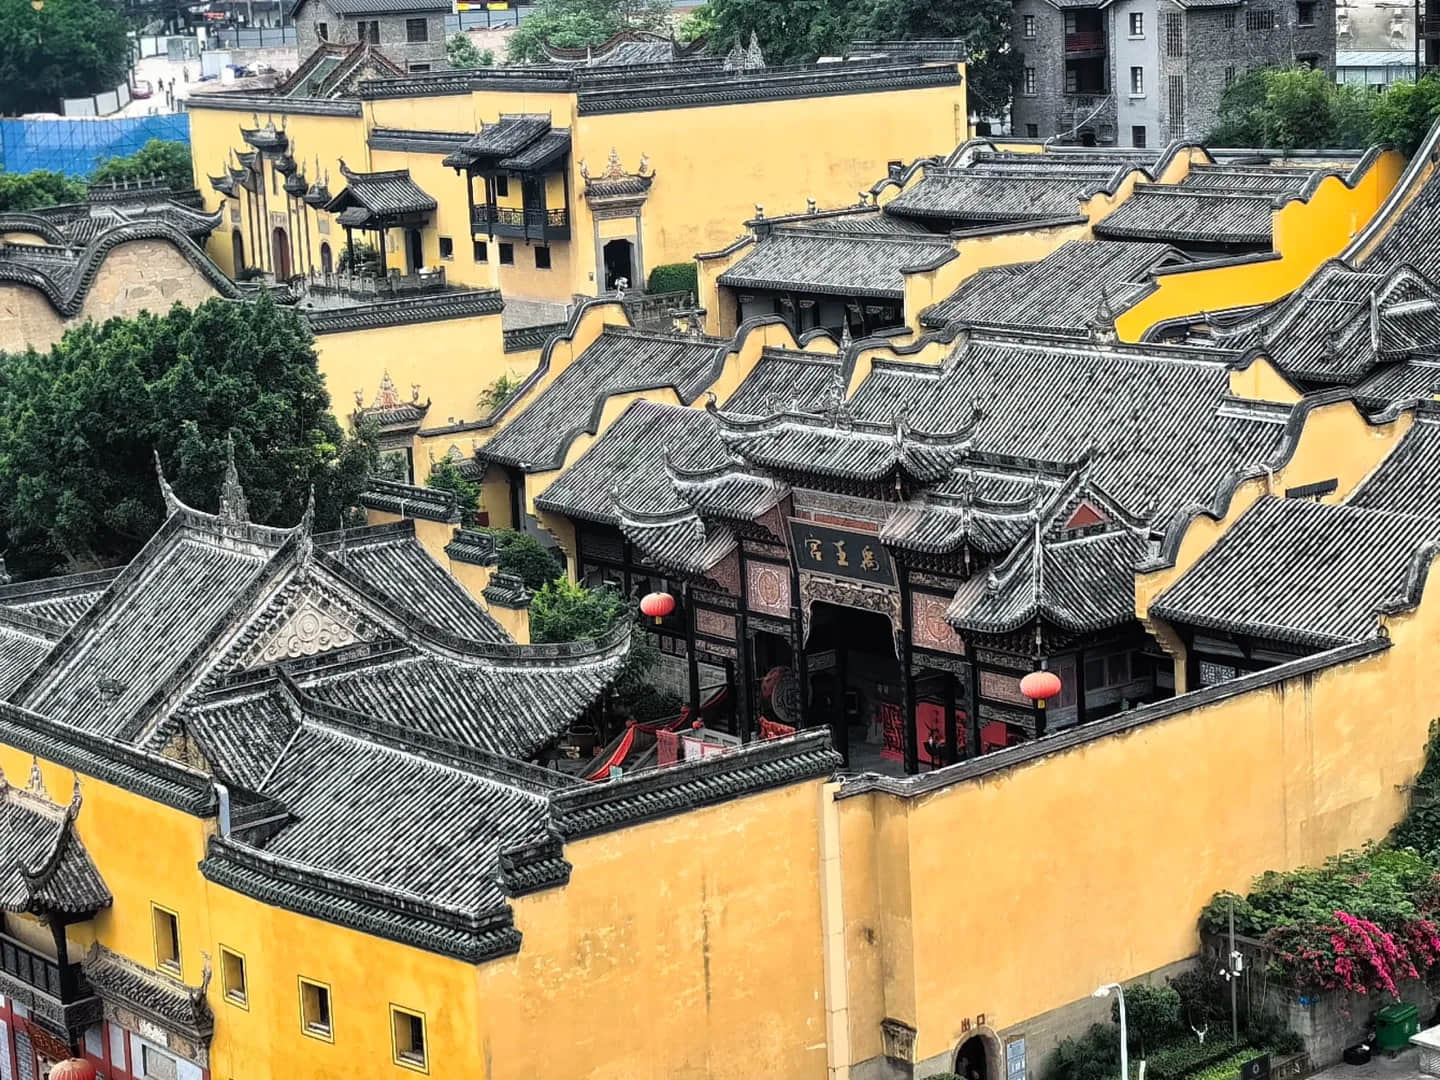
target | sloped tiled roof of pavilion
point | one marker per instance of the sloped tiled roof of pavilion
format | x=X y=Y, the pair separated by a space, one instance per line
x=1408 y=480
x=1306 y=573
x=44 y=867
x=371 y=198
x=619 y=360
x=1191 y=216
x=1066 y=292
x=837 y=263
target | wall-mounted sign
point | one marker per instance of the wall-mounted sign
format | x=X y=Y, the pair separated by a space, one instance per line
x=1015 y=1059
x=858 y=556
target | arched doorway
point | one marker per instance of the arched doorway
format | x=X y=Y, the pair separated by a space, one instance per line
x=237 y=250
x=280 y=252
x=414 y=251
x=978 y=1058
x=853 y=683
x=326 y=262
x=619 y=263
x=1087 y=137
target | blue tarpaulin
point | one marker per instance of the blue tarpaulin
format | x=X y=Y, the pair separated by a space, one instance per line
x=76 y=146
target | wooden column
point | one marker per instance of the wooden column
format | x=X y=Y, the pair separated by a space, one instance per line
x=907 y=678
x=1079 y=686
x=952 y=750
x=972 y=735
x=842 y=722
x=743 y=664
x=797 y=647
x=380 y=243
x=691 y=660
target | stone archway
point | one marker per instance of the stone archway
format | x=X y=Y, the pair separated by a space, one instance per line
x=280 y=252
x=980 y=1056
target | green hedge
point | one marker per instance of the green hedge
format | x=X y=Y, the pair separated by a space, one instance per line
x=674 y=277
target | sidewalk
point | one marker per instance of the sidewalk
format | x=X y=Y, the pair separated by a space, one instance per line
x=1403 y=1066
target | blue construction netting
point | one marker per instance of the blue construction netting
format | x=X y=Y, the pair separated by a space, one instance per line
x=76 y=146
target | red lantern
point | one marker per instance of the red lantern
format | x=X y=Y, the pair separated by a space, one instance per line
x=657 y=605
x=1040 y=686
x=73 y=1069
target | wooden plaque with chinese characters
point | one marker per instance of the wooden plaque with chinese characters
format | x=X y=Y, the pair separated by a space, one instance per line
x=857 y=556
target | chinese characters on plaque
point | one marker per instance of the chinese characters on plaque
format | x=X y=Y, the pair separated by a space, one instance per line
x=858 y=556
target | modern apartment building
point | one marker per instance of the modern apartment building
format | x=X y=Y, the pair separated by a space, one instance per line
x=1144 y=72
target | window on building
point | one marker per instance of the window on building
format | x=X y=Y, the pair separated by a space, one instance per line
x=1071 y=23
x=1308 y=60
x=1029 y=26
x=1137 y=135
x=166 y=925
x=417 y=68
x=481 y=251
x=1137 y=82
x=1177 y=106
x=232 y=977
x=1027 y=85
x=507 y=254
x=1137 y=24
x=1229 y=20
x=502 y=185
x=1229 y=76
x=323 y=29
x=408 y=1034
x=1032 y=131
x=416 y=30
x=1072 y=80
x=367 y=31
x=1305 y=13
x=542 y=258
x=315 y=1010
x=1258 y=21
x=447 y=247
x=1174 y=35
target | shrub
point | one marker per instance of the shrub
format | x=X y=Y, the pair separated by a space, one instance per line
x=674 y=278
x=524 y=556
x=446 y=476
x=1188 y=1056
x=162 y=158
x=1153 y=1015
x=494 y=396
x=1093 y=1056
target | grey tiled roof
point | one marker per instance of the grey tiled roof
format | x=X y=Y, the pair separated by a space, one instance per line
x=415 y=142
x=1408 y=480
x=411 y=501
x=1405 y=381
x=987 y=509
x=61 y=600
x=992 y=195
x=1255 y=179
x=541 y=154
x=21 y=650
x=506 y=137
x=1185 y=215
x=1068 y=291
x=429 y=307
x=44 y=867
x=798 y=380
x=379 y=7
x=243 y=734
x=618 y=361
x=120 y=981
x=376 y=196
x=840 y=264
x=1304 y=572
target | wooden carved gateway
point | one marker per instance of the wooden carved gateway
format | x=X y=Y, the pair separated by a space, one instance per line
x=846 y=594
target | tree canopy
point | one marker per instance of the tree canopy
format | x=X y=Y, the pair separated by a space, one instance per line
x=158 y=157
x=79 y=426
x=69 y=48
x=799 y=31
x=34 y=190
x=576 y=23
x=461 y=52
x=1300 y=109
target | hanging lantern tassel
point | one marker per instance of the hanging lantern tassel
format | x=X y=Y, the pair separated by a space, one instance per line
x=1040 y=686
x=657 y=605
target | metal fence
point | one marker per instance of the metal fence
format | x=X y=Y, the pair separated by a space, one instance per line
x=76 y=146
x=258 y=37
x=480 y=20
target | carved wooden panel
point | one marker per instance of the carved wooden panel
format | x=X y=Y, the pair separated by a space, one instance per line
x=769 y=588
x=929 y=630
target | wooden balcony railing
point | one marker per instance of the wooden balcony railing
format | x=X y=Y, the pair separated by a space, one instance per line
x=1085 y=41
x=33 y=969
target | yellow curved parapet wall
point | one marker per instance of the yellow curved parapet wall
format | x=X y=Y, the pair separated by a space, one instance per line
x=1306 y=233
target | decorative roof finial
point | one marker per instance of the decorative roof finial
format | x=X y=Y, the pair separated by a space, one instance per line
x=5 y=577
x=173 y=505
x=754 y=58
x=36 y=786
x=75 y=797
x=234 y=509
x=305 y=530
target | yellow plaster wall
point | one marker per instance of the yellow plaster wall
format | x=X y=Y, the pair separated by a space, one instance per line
x=1260 y=380
x=453 y=360
x=451 y=217
x=1305 y=235
x=712 y=971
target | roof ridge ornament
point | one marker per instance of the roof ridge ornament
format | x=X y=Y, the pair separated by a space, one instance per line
x=234 y=508
x=173 y=505
x=305 y=530
x=36 y=784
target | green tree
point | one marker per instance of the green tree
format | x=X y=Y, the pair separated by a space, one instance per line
x=34 y=190
x=794 y=32
x=522 y=555
x=158 y=157
x=445 y=476
x=565 y=611
x=700 y=23
x=69 y=48
x=1152 y=1014
x=1404 y=114
x=494 y=396
x=1299 y=109
x=461 y=52
x=1240 y=120
x=1353 y=111
x=79 y=426
x=363 y=258
x=576 y=23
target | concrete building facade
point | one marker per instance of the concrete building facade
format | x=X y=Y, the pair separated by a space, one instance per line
x=411 y=32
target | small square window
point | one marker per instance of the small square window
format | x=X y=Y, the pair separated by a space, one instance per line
x=1137 y=82
x=1229 y=20
x=1305 y=13
x=542 y=258
x=166 y=925
x=323 y=30
x=1029 y=26
x=502 y=185
x=1032 y=131
x=315 y=1010
x=418 y=68
x=482 y=251
x=416 y=30
x=447 y=247
x=507 y=254
x=1137 y=24
x=407 y=1030
x=232 y=977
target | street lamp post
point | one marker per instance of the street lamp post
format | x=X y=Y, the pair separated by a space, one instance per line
x=1104 y=991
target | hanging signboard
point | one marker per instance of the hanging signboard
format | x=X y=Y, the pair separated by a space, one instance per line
x=843 y=553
